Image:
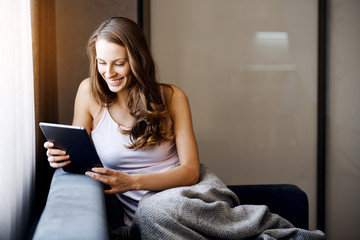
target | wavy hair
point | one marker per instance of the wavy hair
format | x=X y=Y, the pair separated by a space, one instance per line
x=152 y=125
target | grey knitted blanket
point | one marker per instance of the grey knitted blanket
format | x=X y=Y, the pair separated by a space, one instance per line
x=209 y=210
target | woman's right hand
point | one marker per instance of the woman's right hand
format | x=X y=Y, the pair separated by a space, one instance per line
x=57 y=158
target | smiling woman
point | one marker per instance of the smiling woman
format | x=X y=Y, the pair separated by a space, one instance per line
x=17 y=138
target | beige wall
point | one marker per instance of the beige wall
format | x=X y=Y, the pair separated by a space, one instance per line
x=253 y=96
x=75 y=21
x=343 y=192
x=254 y=101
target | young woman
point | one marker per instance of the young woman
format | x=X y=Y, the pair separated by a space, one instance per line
x=142 y=129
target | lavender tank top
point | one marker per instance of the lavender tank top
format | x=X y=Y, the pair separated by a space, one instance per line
x=110 y=145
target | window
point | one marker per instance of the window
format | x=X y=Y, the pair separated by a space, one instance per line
x=17 y=137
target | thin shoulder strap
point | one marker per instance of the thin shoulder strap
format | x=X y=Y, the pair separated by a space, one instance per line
x=162 y=94
x=163 y=100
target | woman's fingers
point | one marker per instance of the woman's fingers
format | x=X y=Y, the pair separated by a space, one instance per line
x=105 y=171
x=48 y=145
x=57 y=159
x=101 y=178
x=116 y=180
x=110 y=191
x=59 y=165
x=55 y=152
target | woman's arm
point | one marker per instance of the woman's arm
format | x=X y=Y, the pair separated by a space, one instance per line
x=185 y=174
x=188 y=171
x=82 y=117
x=82 y=107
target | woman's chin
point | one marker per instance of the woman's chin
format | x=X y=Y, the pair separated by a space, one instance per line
x=116 y=87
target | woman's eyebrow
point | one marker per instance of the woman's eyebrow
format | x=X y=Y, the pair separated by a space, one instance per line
x=113 y=60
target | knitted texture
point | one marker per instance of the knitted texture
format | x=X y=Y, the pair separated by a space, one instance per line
x=209 y=210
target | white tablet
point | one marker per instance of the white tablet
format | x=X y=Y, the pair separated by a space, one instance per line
x=77 y=144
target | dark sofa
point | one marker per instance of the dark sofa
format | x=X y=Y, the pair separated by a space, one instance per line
x=76 y=207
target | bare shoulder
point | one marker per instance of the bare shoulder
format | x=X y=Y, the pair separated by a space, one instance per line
x=173 y=95
x=85 y=86
x=84 y=100
x=83 y=95
x=177 y=104
x=84 y=92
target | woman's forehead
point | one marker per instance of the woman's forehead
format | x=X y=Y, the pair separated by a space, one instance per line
x=106 y=50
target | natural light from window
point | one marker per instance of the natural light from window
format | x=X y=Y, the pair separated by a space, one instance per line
x=17 y=138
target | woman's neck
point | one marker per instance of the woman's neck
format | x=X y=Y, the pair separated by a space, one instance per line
x=121 y=99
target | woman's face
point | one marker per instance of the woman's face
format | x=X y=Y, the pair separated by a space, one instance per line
x=113 y=65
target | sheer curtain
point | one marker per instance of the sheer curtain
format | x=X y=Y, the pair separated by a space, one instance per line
x=17 y=137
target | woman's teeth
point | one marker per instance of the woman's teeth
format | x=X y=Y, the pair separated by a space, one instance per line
x=115 y=81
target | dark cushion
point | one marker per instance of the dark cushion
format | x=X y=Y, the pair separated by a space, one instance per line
x=286 y=200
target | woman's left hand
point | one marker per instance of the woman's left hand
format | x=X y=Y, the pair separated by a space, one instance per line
x=119 y=182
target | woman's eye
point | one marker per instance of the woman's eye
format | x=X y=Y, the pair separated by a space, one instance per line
x=101 y=63
x=119 y=64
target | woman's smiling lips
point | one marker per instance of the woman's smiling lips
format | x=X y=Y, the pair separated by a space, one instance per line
x=115 y=81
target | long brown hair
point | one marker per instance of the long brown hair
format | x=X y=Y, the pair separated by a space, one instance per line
x=144 y=100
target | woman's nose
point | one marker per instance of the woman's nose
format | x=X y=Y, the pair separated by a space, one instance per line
x=109 y=72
